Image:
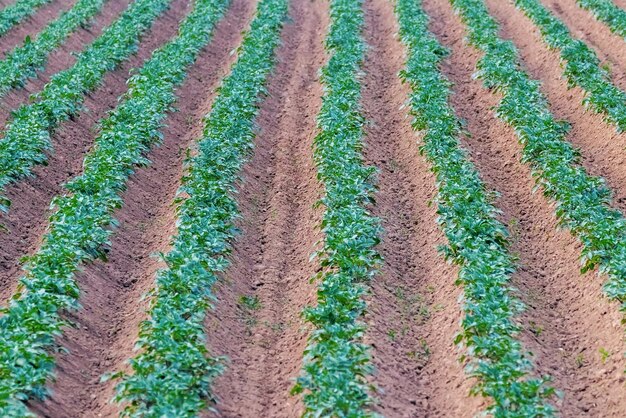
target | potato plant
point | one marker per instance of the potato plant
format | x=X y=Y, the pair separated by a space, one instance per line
x=173 y=373
x=583 y=201
x=334 y=378
x=17 y=12
x=607 y=12
x=24 y=61
x=582 y=67
x=477 y=241
x=80 y=225
x=27 y=136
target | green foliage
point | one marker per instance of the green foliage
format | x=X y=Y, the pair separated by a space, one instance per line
x=604 y=354
x=583 y=201
x=477 y=241
x=173 y=373
x=336 y=365
x=18 y=11
x=23 y=62
x=27 y=136
x=607 y=12
x=251 y=303
x=81 y=221
x=582 y=66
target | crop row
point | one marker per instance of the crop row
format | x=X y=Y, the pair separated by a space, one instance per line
x=334 y=378
x=606 y=11
x=477 y=241
x=82 y=218
x=27 y=136
x=582 y=66
x=23 y=62
x=583 y=201
x=18 y=11
x=172 y=375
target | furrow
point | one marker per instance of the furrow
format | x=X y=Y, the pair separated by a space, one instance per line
x=580 y=64
x=413 y=311
x=27 y=221
x=610 y=47
x=601 y=147
x=113 y=292
x=81 y=223
x=270 y=258
x=570 y=328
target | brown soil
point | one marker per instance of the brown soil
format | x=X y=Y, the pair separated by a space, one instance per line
x=567 y=322
x=414 y=312
x=278 y=227
x=106 y=327
x=601 y=146
x=610 y=48
x=570 y=330
x=33 y=24
x=63 y=56
x=30 y=197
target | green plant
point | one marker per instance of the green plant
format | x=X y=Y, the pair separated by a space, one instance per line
x=334 y=376
x=18 y=11
x=24 y=61
x=252 y=303
x=607 y=12
x=604 y=355
x=582 y=66
x=535 y=328
x=580 y=360
x=583 y=201
x=477 y=241
x=79 y=226
x=27 y=136
x=173 y=372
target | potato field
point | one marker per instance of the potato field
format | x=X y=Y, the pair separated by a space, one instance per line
x=312 y=208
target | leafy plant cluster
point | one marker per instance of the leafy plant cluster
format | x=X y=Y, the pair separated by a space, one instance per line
x=337 y=362
x=80 y=225
x=24 y=61
x=582 y=67
x=28 y=134
x=606 y=11
x=18 y=11
x=477 y=241
x=583 y=201
x=172 y=375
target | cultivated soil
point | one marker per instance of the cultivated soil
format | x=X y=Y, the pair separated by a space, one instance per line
x=570 y=331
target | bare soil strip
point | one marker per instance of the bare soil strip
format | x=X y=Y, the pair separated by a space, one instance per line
x=106 y=328
x=30 y=197
x=270 y=261
x=414 y=312
x=603 y=149
x=62 y=57
x=610 y=48
x=33 y=24
x=574 y=333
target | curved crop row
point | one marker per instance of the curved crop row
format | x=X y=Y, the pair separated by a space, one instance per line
x=606 y=11
x=81 y=222
x=172 y=375
x=15 y=13
x=336 y=365
x=583 y=201
x=582 y=66
x=477 y=241
x=23 y=62
x=27 y=136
